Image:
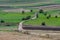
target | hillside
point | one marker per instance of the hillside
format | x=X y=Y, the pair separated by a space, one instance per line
x=27 y=1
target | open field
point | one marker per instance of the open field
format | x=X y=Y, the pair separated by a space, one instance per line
x=18 y=36
x=11 y=15
x=5 y=35
x=16 y=17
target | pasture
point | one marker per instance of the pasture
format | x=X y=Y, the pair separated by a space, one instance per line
x=49 y=22
x=16 y=17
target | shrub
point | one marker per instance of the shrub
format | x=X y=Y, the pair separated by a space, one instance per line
x=27 y=18
x=56 y=16
x=23 y=12
x=23 y=18
x=7 y=25
x=43 y=23
x=48 y=17
x=31 y=10
x=2 y=21
x=45 y=14
x=41 y=11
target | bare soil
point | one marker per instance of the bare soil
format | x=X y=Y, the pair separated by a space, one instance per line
x=20 y=36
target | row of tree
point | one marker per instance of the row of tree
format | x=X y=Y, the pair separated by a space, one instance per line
x=40 y=11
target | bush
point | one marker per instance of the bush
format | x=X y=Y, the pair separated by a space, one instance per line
x=31 y=10
x=45 y=14
x=23 y=19
x=2 y=21
x=27 y=18
x=48 y=17
x=8 y=25
x=23 y=12
x=43 y=23
x=41 y=11
x=56 y=16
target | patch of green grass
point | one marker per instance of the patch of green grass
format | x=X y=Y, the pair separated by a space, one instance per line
x=52 y=21
x=8 y=28
x=13 y=16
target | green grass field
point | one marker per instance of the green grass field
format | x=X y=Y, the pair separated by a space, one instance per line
x=14 y=17
x=49 y=22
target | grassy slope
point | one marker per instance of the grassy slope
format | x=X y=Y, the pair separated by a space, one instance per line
x=16 y=17
x=13 y=16
x=50 y=22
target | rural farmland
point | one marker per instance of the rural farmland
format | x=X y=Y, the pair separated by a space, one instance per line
x=37 y=19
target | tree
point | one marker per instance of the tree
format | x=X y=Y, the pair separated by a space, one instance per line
x=7 y=25
x=27 y=18
x=43 y=23
x=49 y=15
x=2 y=21
x=45 y=14
x=31 y=10
x=41 y=11
x=56 y=16
x=23 y=12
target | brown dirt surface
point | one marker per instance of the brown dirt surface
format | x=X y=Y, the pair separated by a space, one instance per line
x=18 y=36
x=14 y=35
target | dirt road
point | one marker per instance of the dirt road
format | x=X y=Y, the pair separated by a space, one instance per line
x=19 y=36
